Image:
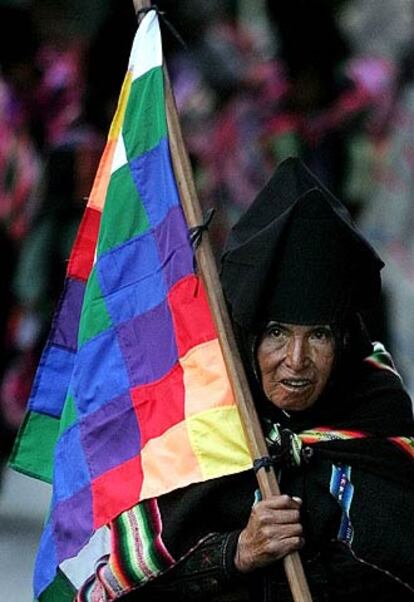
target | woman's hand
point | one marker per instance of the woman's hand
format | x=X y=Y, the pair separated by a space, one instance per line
x=273 y=531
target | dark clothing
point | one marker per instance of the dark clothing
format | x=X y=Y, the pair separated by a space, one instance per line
x=302 y=235
x=356 y=550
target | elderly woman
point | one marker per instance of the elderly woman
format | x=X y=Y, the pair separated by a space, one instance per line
x=338 y=422
x=307 y=275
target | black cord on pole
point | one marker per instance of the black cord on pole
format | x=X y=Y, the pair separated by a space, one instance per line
x=143 y=11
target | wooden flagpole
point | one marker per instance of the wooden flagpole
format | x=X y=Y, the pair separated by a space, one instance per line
x=207 y=267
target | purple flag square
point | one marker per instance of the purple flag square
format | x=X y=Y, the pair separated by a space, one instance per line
x=176 y=254
x=65 y=325
x=110 y=435
x=73 y=524
x=148 y=345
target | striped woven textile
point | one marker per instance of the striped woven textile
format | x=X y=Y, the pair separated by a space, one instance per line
x=406 y=444
x=137 y=554
x=321 y=433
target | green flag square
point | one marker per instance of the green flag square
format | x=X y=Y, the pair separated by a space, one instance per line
x=34 y=447
x=60 y=590
x=124 y=215
x=69 y=414
x=94 y=317
x=145 y=120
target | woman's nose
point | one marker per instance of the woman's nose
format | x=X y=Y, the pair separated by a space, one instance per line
x=297 y=356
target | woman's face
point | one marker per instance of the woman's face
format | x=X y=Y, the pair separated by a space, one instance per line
x=295 y=363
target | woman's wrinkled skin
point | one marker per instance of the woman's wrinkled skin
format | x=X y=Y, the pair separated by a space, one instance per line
x=295 y=363
x=273 y=531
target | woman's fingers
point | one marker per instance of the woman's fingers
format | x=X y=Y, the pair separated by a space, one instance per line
x=277 y=509
x=273 y=530
x=282 y=502
x=276 y=532
x=287 y=546
x=266 y=516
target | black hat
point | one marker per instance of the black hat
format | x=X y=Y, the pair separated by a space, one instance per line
x=295 y=256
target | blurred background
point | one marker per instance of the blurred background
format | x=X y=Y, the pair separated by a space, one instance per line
x=331 y=81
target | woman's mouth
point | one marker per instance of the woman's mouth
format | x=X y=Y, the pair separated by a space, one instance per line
x=295 y=384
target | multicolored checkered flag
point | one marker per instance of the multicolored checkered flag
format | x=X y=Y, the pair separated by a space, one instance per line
x=131 y=399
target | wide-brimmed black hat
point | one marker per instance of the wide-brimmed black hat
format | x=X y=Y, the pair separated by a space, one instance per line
x=296 y=256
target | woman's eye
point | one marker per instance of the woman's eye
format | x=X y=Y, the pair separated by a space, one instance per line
x=322 y=334
x=275 y=333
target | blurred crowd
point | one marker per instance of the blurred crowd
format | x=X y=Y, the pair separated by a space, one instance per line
x=331 y=81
